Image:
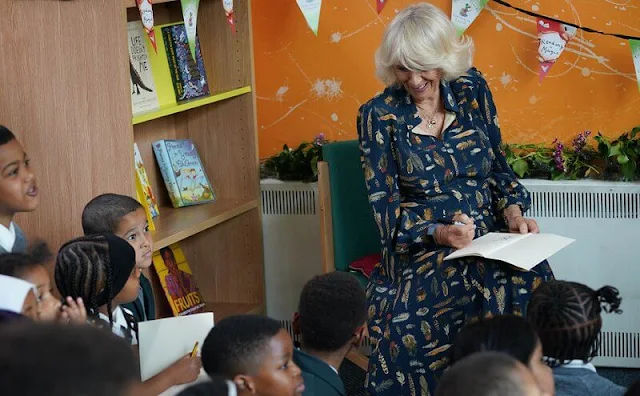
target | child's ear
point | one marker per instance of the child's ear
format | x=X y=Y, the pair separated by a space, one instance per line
x=295 y=323
x=245 y=384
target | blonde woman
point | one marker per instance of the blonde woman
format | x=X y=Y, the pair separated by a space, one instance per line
x=437 y=179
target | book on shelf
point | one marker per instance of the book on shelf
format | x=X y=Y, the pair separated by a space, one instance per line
x=187 y=74
x=183 y=173
x=143 y=91
x=149 y=199
x=177 y=281
x=141 y=199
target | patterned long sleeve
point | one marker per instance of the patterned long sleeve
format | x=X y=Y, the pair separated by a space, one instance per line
x=400 y=227
x=505 y=187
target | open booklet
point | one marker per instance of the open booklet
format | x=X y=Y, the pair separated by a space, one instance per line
x=524 y=251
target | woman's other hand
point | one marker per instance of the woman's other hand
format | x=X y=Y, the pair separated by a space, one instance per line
x=456 y=236
x=519 y=224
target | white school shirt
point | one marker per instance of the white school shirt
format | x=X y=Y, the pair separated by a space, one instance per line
x=7 y=237
x=120 y=325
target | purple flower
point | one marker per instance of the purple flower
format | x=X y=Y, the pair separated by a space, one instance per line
x=580 y=141
x=319 y=140
x=558 y=157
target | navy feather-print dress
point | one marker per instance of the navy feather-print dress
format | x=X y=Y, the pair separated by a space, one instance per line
x=417 y=301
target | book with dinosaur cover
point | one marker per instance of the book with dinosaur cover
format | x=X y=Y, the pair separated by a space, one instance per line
x=188 y=74
x=143 y=95
x=149 y=200
x=183 y=173
x=177 y=281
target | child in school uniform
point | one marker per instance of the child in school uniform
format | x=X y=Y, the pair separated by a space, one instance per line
x=31 y=268
x=331 y=320
x=567 y=317
x=57 y=360
x=102 y=270
x=18 y=191
x=17 y=299
x=255 y=353
x=125 y=217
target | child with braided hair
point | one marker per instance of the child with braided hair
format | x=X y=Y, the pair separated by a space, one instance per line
x=101 y=269
x=567 y=317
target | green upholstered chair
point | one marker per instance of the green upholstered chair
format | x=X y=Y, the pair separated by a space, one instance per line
x=348 y=230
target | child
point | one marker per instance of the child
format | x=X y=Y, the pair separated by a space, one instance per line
x=508 y=334
x=55 y=360
x=255 y=353
x=102 y=270
x=566 y=315
x=30 y=267
x=331 y=319
x=18 y=191
x=17 y=297
x=125 y=217
x=488 y=374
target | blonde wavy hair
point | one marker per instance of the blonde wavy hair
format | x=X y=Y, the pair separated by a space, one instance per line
x=421 y=37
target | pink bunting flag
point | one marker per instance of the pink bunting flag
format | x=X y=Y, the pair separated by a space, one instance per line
x=228 y=10
x=146 y=15
x=553 y=37
x=380 y=4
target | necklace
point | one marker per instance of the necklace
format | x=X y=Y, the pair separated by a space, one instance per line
x=431 y=120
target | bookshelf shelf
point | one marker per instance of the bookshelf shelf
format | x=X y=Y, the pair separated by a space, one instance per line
x=174 y=225
x=221 y=310
x=168 y=110
x=132 y=3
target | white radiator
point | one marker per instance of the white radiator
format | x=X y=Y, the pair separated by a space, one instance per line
x=601 y=216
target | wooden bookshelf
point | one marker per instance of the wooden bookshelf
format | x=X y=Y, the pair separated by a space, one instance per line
x=169 y=110
x=174 y=225
x=77 y=90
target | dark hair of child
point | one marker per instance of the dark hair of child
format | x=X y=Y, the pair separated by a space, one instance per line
x=481 y=374
x=58 y=360
x=234 y=345
x=566 y=316
x=331 y=307
x=5 y=135
x=95 y=268
x=17 y=264
x=509 y=334
x=215 y=386
x=103 y=213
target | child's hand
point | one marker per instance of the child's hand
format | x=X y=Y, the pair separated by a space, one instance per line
x=185 y=370
x=74 y=311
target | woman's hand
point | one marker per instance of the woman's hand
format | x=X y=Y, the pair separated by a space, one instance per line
x=519 y=224
x=456 y=236
x=74 y=311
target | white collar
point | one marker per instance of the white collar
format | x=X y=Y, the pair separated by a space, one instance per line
x=13 y=293
x=120 y=324
x=578 y=364
x=7 y=237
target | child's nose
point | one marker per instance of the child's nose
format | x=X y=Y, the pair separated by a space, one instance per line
x=295 y=369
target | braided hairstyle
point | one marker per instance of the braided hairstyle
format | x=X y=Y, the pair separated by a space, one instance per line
x=566 y=316
x=83 y=270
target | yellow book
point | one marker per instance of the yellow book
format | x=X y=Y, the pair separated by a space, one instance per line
x=141 y=198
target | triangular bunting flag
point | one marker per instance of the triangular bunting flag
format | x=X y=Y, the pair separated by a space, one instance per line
x=190 y=16
x=228 y=10
x=380 y=5
x=635 y=53
x=311 y=11
x=146 y=15
x=553 y=37
x=464 y=12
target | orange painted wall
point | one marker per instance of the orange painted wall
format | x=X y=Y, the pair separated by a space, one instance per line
x=307 y=85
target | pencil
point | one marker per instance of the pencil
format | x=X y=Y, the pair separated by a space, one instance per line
x=194 y=350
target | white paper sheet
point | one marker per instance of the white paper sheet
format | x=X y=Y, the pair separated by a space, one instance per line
x=164 y=341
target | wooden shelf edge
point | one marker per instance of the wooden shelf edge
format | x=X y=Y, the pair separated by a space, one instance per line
x=222 y=310
x=163 y=112
x=204 y=224
x=132 y=3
